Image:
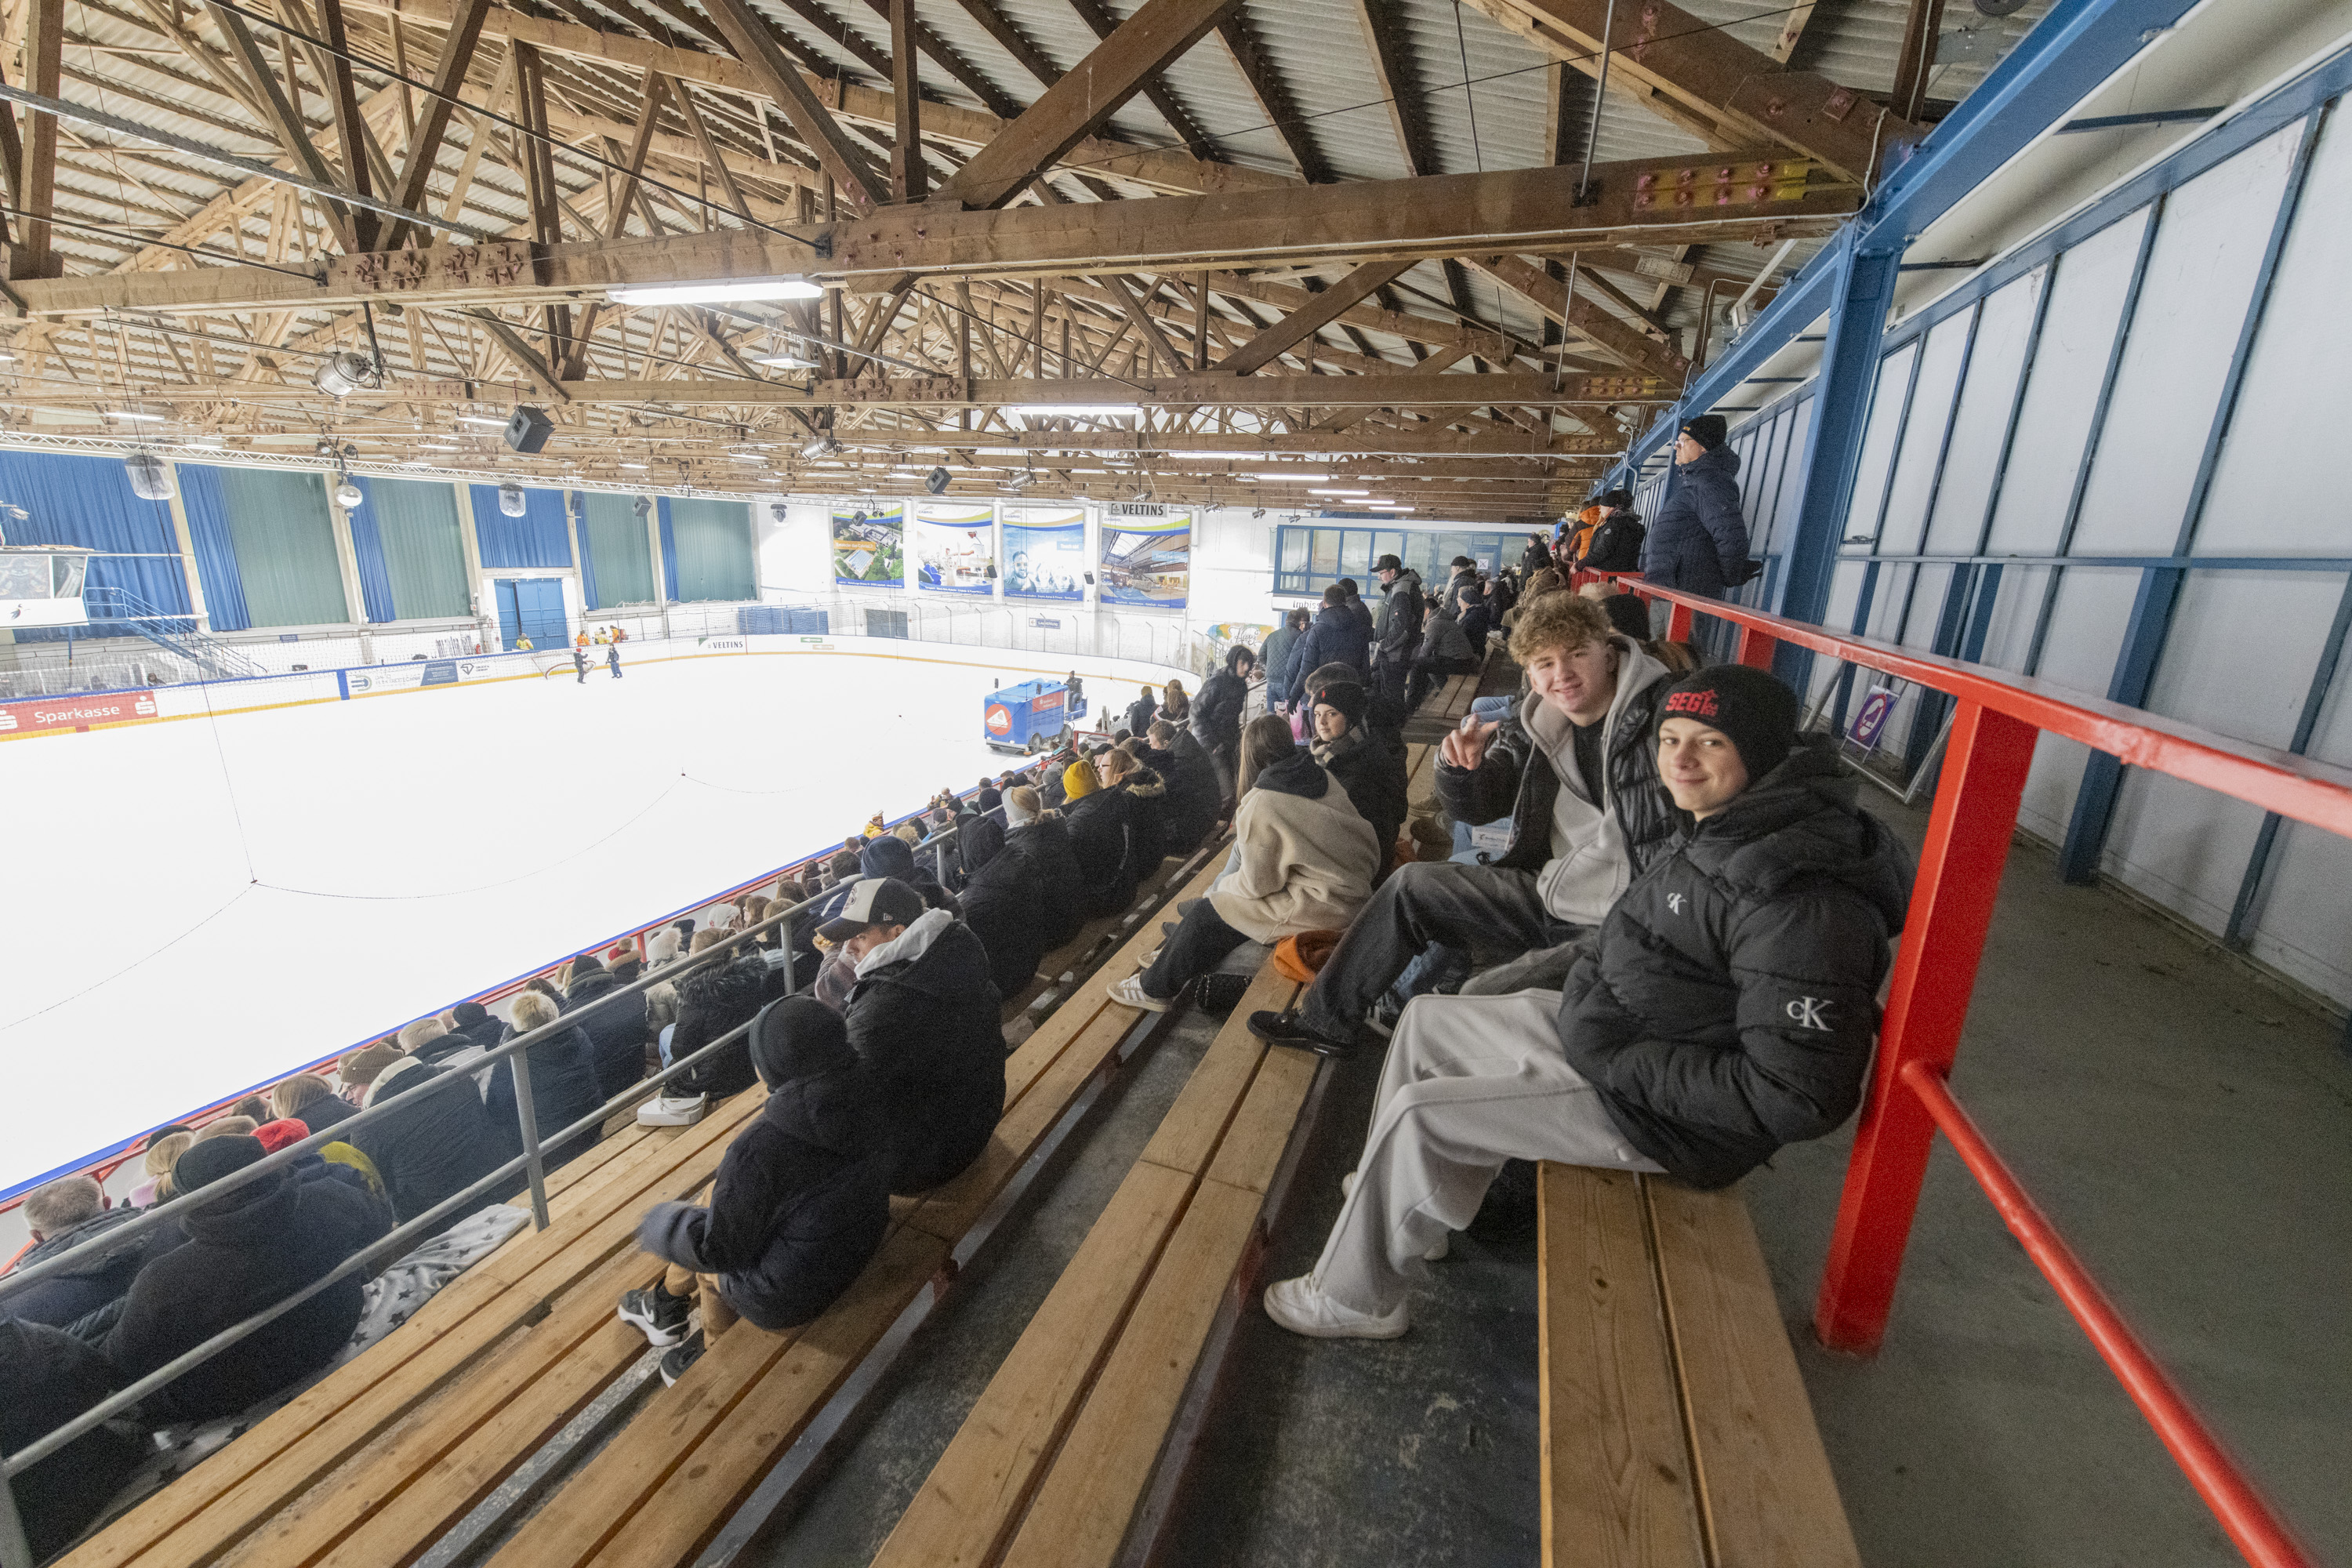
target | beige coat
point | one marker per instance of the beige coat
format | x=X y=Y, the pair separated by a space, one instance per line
x=1299 y=865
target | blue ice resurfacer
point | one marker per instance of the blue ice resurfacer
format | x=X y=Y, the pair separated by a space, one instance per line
x=1034 y=716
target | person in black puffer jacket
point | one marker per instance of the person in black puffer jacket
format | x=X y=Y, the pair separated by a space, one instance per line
x=1699 y=542
x=1217 y=715
x=1368 y=764
x=1335 y=637
x=999 y=905
x=1725 y=1008
x=802 y=1198
x=70 y=1213
x=1191 y=781
x=47 y=1378
x=1044 y=836
x=429 y=1151
x=1617 y=543
x=249 y=1249
x=1125 y=774
x=923 y=1018
x=722 y=996
x=617 y=1031
x=979 y=837
x=1099 y=820
x=563 y=1084
x=1575 y=842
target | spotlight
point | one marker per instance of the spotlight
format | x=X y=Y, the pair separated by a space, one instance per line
x=150 y=480
x=348 y=494
x=779 y=510
x=822 y=446
x=340 y=374
x=510 y=501
x=936 y=481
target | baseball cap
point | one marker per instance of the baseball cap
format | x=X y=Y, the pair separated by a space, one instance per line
x=873 y=901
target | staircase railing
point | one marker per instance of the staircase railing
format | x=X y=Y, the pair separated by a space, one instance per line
x=174 y=634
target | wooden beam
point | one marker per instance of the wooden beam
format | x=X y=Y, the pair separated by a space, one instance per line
x=1747 y=94
x=909 y=180
x=712 y=158
x=1088 y=94
x=1266 y=85
x=970 y=77
x=1916 y=61
x=640 y=141
x=350 y=130
x=1793 y=22
x=286 y=121
x=1397 y=66
x=36 y=188
x=1012 y=41
x=1154 y=339
x=1551 y=296
x=1099 y=19
x=529 y=359
x=449 y=80
x=837 y=154
x=1320 y=311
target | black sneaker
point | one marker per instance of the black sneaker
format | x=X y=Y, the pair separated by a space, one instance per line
x=1289 y=1029
x=674 y=1366
x=659 y=1315
x=1383 y=1020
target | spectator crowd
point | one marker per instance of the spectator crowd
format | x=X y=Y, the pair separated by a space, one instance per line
x=1667 y=962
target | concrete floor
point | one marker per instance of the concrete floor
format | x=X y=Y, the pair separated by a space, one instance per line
x=2189 y=1129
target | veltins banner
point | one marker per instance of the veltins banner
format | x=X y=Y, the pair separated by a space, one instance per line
x=1147 y=555
x=869 y=547
x=954 y=548
x=1044 y=553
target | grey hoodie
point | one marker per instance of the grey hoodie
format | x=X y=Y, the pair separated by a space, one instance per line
x=1591 y=863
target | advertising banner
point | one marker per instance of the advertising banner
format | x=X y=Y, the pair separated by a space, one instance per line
x=869 y=547
x=1044 y=553
x=37 y=714
x=1147 y=555
x=955 y=546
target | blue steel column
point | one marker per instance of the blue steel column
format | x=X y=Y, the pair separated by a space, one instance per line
x=1865 y=289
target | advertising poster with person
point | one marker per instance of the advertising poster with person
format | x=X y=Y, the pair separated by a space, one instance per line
x=955 y=548
x=1044 y=553
x=869 y=545
x=1147 y=555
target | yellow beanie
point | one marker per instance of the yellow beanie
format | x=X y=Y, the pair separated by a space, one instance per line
x=1079 y=780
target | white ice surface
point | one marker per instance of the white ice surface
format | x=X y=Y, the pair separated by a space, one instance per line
x=195 y=909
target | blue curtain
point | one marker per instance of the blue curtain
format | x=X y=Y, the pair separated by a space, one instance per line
x=706 y=545
x=588 y=599
x=367 y=549
x=536 y=539
x=420 y=554
x=86 y=502
x=216 y=568
x=668 y=554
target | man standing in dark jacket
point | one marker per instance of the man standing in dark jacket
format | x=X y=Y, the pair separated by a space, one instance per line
x=923 y=1018
x=1617 y=543
x=1217 y=716
x=1278 y=644
x=1575 y=772
x=802 y=1201
x=246 y=1250
x=1395 y=637
x=71 y=1213
x=1725 y=1009
x=1699 y=542
x=1333 y=639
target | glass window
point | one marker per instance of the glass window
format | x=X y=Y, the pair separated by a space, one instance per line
x=23 y=577
x=1356 y=555
x=1308 y=559
x=68 y=575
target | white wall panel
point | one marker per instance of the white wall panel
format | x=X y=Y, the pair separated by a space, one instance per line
x=2062 y=388
x=2298 y=384
x=2086 y=628
x=1845 y=589
x=2009 y=635
x=1886 y=604
x=2301 y=925
x=2200 y=278
x=2004 y=322
x=1923 y=435
x=2184 y=845
x=1878 y=439
x=1793 y=481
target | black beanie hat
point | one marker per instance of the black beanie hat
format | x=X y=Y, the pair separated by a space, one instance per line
x=207 y=1162
x=1346 y=696
x=1630 y=614
x=1707 y=429
x=1755 y=710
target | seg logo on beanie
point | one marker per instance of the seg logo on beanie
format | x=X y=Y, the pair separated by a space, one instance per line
x=1701 y=703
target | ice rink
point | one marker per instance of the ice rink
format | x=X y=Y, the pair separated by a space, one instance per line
x=197 y=906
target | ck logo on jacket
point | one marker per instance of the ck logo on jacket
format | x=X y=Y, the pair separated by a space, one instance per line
x=1675 y=901
x=1806 y=1013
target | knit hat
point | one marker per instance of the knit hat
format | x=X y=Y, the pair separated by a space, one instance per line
x=209 y=1161
x=1617 y=498
x=1346 y=696
x=275 y=1135
x=1079 y=780
x=364 y=1066
x=873 y=902
x=1756 y=711
x=1630 y=614
x=1707 y=429
x=469 y=1014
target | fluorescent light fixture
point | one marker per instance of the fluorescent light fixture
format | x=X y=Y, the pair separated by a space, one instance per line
x=784 y=361
x=1317 y=492
x=1074 y=410
x=126 y=413
x=718 y=291
x=640 y=467
x=1392 y=506
x=481 y=419
x=7 y=359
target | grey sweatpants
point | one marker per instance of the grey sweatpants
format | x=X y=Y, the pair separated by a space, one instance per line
x=1470 y=1083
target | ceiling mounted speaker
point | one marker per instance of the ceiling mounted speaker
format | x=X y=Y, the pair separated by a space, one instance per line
x=641 y=505
x=529 y=429
x=510 y=501
x=150 y=480
x=936 y=481
x=779 y=510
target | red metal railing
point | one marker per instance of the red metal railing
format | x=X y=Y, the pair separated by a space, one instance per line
x=1997 y=720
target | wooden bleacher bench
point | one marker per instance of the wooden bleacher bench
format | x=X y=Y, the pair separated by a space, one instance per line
x=381 y=1458
x=1675 y=1430
x=1053 y=1463
x=667 y=1482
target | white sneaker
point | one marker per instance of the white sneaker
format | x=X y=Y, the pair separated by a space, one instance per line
x=1435 y=1255
x=1300 y=1306
x=1128 y=993
x=660 y=1111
